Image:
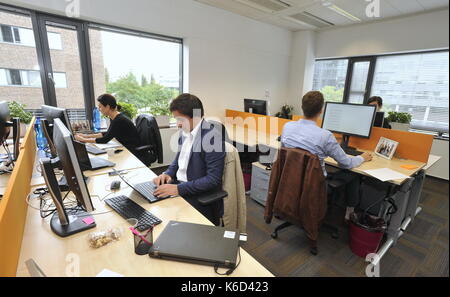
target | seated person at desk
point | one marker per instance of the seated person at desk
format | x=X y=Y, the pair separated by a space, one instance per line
x=305 y=134
x=378 y=102
x=199 y=164
x=121 y=127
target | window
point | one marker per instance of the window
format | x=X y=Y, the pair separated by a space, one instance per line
x=329 y=78
x=29 y=78
x=417 y=84
x=148 y=76
x=25 y=36
x=60 y=80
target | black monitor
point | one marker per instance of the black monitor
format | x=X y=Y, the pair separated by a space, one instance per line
x=63 y=222
x=379 y=119
x=5 y=129
x=50 y=113
x=255 y=106
x=349 y=120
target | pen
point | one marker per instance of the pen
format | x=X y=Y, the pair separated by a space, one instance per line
x=135 y=232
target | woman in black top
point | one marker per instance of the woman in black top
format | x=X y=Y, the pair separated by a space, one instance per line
x=121 y=127
x=378 y=102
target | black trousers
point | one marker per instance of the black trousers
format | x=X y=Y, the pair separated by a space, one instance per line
x=352 y=183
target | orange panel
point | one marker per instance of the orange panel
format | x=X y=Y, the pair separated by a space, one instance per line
x=413 y=146
x=13 y=207
x=272 y=125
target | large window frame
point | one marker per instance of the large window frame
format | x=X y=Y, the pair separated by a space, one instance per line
x=371 y=74
x=39 y=21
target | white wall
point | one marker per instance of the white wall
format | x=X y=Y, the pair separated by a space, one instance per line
x=229 y=57
x=418 y=32
x=440 y=169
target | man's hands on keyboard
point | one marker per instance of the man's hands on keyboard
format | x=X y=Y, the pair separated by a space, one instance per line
x=166 y=190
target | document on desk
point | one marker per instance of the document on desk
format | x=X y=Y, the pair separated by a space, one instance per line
x=385 y=174
x=110 y=144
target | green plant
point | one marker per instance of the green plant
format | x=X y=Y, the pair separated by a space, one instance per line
x=286 y=112
x=160 y=107
x=128 y=109
x=17 y=110
x=399 y=117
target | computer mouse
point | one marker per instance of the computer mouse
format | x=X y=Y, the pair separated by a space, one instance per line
x=115 y=185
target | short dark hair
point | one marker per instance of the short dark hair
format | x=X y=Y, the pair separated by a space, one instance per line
x=376 y=99
x=108 y=99
x=312 y=103
x=186 y=104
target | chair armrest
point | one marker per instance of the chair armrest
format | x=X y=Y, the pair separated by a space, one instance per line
x=211 y=197
x=144 y=148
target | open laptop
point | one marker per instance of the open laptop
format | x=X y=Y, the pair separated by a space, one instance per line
x=200 y=244
x=87 y=163
x=145 y=189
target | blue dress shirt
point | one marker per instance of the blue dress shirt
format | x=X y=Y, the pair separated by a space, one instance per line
x=305 y=134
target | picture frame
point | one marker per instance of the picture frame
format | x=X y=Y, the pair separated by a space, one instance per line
x=386 y=148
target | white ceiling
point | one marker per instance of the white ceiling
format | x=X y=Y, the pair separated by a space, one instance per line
x=316 y=14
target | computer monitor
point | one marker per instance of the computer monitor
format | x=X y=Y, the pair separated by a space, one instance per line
x=255 y=106
x=5 y=129
x=349 y=120
x=50 y=113
x=379 y=119
x=64 y=223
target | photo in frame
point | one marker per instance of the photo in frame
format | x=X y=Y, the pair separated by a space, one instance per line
x=386 y=148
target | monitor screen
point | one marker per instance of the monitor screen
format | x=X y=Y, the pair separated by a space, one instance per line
x=349 y=119
x=255 y=106
x=64 y=146
x=5 y=117
x=50 y=113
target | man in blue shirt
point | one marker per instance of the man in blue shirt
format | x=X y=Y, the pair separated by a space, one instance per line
x=305 y=134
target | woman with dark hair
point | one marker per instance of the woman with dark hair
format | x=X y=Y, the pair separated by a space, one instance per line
x=121 y=127
x=378 y=102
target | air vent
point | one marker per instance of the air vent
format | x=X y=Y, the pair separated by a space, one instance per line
x=311 y=19
x=269 y=5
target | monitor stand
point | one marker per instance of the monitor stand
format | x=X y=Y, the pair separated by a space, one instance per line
x=344 y=144
x=63 y=223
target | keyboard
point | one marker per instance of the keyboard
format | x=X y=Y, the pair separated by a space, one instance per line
x=128 y=209
x=146 y=189
x=353 y=152
x=93 y=150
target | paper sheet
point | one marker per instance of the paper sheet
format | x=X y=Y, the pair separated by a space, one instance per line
x=385 y=174
x=108 y=273
x=111 y=144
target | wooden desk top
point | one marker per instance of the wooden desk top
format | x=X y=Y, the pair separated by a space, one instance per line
x=252 y=137
x=379 y=162
x=56 y=256
x=124 y=160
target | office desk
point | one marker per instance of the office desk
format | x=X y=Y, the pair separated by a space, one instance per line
x=57 y=256
x=252 y=137
x=124 y=160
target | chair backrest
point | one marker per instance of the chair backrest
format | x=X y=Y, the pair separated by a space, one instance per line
x=149 y=134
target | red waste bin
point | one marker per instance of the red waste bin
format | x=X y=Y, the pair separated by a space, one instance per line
x=365 y=237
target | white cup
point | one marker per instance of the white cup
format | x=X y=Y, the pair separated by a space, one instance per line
x=110 y=152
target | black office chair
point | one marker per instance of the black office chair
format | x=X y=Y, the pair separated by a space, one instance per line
x=150 y=140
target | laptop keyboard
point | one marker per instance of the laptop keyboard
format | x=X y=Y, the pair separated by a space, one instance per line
x=128 y=209
x=146 y=189
x=94 y=150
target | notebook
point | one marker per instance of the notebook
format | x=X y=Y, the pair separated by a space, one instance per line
x=200 y=244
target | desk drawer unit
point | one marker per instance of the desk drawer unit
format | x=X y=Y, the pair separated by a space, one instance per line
x=260 y=183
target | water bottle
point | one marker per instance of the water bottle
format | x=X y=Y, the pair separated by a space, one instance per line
x=96 y=119
x=41 y=141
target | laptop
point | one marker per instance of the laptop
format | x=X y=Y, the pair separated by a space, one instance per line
x=145 y=189
x=94 y=150
x=200 y=244
x=87 y=163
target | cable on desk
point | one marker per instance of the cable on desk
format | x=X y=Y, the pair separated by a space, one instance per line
x=231 y=270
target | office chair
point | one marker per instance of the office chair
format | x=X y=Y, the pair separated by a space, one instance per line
x=150 y=139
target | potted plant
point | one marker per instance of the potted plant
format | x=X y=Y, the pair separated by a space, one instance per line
x=399 y=120
x=160 y=110
x=128 y=110
x=17 y=110
x=286 y=112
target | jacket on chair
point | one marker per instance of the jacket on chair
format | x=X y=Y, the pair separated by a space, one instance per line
x=297 y=190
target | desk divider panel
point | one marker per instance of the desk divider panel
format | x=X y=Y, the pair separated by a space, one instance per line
x=413 y=146
x=13 y=207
